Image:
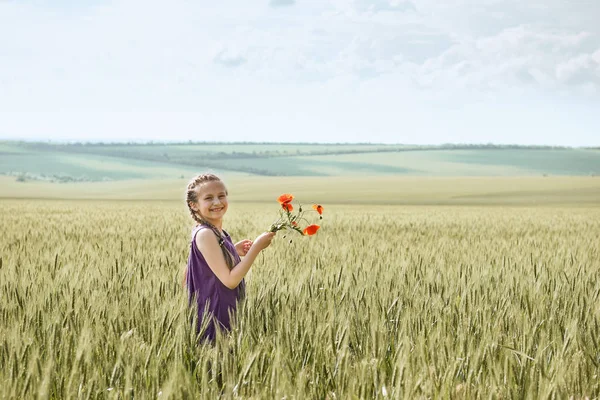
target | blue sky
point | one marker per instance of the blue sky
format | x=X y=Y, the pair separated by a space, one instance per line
x=421 y=71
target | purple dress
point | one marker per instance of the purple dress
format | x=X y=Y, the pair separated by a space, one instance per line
x=205 y=287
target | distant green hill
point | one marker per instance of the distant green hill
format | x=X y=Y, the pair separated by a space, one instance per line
x=97 y=162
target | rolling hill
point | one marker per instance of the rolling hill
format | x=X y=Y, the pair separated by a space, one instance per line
x=113 y=162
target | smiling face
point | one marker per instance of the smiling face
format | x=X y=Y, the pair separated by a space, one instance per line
x=211 y=202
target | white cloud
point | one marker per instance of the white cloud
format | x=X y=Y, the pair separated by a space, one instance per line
x=281 y=3
x=331 y=66
x=384 y=5
x=519 y=56
x=229 y=58
x=581 y=69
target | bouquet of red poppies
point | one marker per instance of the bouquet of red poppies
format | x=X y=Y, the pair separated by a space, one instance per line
x=290 y=220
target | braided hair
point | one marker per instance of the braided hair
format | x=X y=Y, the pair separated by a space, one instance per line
x=192 y=197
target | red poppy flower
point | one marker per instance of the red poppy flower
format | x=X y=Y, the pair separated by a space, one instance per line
x=318 y=208
x=285 y=198
x=294 y=223
x=311 y=230
x=287 y=207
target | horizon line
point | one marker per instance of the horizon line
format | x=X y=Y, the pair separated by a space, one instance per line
x=238 y=142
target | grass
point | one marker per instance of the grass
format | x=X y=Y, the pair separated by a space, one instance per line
x=386 y=301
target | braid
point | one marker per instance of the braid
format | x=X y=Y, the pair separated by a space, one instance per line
x=192 y=197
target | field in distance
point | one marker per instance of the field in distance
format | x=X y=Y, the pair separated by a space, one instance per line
x=383 y=190
x=110 y=162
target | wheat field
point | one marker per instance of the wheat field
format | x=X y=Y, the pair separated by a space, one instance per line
x=384 y=302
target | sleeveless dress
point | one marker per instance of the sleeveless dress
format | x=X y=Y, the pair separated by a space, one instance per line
x=214 y=300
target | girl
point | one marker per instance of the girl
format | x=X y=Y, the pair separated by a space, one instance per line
x=215 y=272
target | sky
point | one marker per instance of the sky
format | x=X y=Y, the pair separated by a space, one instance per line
x=384 y=71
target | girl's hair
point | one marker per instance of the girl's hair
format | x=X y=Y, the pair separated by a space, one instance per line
x=192 y=197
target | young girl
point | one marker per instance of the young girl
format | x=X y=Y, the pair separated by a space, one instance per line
x=215 y=272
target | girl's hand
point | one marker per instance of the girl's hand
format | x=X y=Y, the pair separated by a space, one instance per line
x=264 y=240
x=243 y=246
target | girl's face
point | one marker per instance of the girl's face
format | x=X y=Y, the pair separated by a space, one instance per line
x=212 y=201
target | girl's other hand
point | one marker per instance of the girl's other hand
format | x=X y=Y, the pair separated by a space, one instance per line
x=243 y=246
x=264 y=240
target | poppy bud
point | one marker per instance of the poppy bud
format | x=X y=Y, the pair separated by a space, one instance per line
x=290 y=240
x=320 y=217
x=300 y=209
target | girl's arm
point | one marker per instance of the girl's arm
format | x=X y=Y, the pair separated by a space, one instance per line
x=207 y=243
